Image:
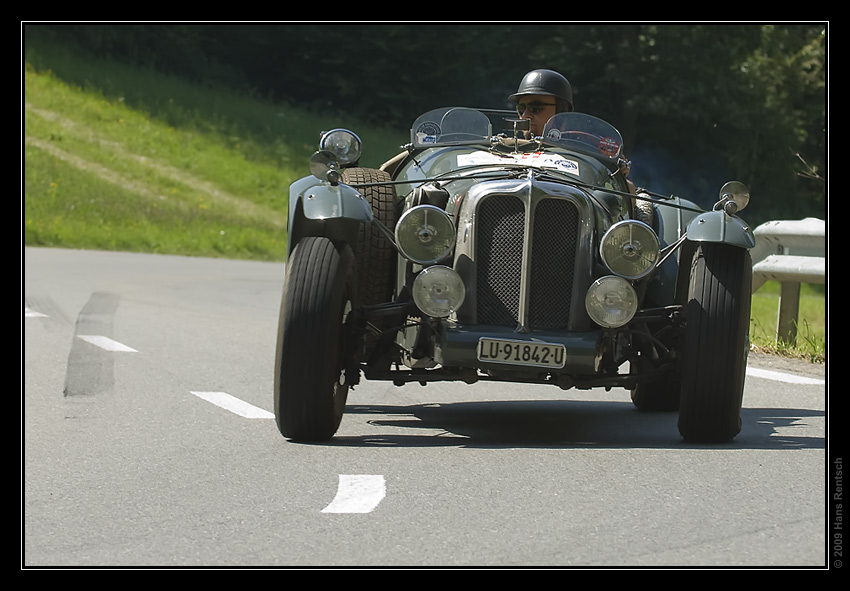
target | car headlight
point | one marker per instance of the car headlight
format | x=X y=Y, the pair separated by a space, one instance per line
x=425 y=234
x=344 y=144
x=611 y=301
x=630 y=249
x=438 y=291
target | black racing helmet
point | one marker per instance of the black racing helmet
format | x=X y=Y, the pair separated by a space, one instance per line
x=546 y=82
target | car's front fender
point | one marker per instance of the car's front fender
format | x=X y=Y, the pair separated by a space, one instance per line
x=318 y=208
x=718 y=226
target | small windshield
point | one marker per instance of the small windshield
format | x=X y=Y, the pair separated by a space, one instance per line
x=450 y=127
x=454 y=126
x=585 y=134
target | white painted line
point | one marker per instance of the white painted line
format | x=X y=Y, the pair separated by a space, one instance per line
x=357 y=493
x=782 y=377
x=30 y=314
x=234 y=405
x=106 y=343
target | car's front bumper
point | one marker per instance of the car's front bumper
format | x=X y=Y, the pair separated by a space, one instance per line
x=458 y=346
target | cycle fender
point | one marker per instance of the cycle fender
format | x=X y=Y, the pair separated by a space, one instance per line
x=320 y=209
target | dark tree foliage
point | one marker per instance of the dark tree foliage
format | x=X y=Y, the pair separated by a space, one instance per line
x=697 y=104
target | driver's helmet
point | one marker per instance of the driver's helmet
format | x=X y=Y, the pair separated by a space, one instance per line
x=546 y=82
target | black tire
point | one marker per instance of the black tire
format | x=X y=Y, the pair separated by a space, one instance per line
x=657 y=397
x=716 y=344
x=320 y=287
x=660 y=396
x=644 y=212
x=376 y=256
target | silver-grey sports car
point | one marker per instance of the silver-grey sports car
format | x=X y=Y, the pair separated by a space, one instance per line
x=481 y=253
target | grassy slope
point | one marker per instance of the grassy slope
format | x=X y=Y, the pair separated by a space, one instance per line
x=122 y=158
x=127 y=159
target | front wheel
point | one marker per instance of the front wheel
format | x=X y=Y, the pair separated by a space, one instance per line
x=716 y=344
x=309 y=387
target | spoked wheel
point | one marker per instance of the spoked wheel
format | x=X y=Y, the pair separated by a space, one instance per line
x=310 y=389
x=717 y=344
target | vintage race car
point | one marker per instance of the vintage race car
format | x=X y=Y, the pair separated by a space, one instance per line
x=477 y=254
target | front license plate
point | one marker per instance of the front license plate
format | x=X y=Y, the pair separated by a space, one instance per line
x=522 y=353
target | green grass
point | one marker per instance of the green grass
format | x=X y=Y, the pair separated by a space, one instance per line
x=128 y=159
x=811 y=323
x=121 y=158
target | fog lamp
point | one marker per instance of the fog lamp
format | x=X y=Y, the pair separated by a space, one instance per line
x=438 y=291
x=344 y=144
x=611 y=301
x=425 y=234
x=630 y=249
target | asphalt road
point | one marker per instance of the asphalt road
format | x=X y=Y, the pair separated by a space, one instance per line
x=148 y=440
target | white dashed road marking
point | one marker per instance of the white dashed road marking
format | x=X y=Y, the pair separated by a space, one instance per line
x=106 y=343
x=357 y=493
x=111 y=345
x=782 y=377
x=234 y=405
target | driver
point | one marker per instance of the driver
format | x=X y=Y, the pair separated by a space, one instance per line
x=541 y=95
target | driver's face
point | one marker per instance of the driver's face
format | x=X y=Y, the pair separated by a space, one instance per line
x=538 y=109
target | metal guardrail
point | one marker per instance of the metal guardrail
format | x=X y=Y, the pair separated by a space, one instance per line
x=791 y=252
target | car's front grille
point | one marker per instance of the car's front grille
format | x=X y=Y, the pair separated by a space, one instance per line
x=553 y=263
x=500 y=229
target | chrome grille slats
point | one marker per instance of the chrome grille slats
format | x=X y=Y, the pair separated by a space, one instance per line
x=500 y=229
x=548 y=274
x=554 y=246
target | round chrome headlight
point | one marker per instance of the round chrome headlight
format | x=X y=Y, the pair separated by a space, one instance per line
x=425 y=234
x=438 y=291
x=344 y=144
x=611 y=301
x=630 y=249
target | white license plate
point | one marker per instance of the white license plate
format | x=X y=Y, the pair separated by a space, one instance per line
x=522 y=353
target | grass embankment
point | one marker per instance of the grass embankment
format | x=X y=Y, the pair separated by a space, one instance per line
x=127 y=159
x=121 y=158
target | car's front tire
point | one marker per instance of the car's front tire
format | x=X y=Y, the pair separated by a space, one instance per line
x=716 y=344
x=309 y=388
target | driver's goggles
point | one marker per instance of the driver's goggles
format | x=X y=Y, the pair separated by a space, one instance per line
x=532 y=107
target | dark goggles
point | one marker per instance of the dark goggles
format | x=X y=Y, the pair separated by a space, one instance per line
x=533 y=107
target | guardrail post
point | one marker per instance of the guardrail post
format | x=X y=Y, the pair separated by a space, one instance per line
x=789 y=312
x=791 y=252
